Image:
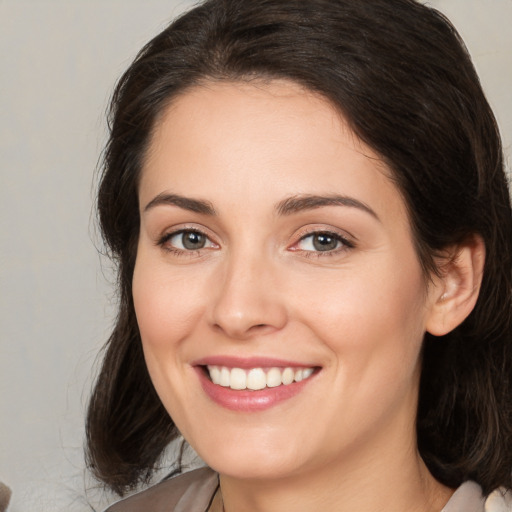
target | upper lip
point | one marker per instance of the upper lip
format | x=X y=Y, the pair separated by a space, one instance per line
x=249 y=362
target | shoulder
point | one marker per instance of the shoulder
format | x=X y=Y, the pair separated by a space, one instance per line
x=499 y=500
x=190 y=492
x=468 y=498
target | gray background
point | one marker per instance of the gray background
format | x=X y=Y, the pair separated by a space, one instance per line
x=59 y=61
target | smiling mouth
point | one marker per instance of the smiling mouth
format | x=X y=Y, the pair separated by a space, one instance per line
x=255 y=379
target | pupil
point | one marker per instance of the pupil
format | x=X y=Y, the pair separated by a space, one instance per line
x=193 y=240
x=324 y=242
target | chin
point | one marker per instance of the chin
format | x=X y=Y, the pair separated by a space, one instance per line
x=252 y=460
x=255 y=469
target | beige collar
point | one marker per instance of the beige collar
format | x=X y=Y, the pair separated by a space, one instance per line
x=216 y=505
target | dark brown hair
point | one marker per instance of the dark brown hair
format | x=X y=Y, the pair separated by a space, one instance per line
x=402 y=78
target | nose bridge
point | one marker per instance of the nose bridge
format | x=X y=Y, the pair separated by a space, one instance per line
x=248 y=300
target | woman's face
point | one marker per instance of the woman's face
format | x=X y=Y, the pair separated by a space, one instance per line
x=276 y=255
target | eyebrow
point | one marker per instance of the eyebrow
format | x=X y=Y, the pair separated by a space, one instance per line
x=300 y=203
x=187 y=203
x=288 y=206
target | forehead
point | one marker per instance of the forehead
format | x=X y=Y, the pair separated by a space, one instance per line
x=271 y=138
x=269 y=113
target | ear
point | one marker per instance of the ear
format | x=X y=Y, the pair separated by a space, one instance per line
x=454 y=294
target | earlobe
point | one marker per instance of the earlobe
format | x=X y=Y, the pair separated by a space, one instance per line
x=455 y=292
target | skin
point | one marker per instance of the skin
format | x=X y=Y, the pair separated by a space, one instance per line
x=258 y=288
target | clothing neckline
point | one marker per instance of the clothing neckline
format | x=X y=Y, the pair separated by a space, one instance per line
x=466 y=498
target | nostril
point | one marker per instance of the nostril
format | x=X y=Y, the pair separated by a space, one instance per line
x=261 y=328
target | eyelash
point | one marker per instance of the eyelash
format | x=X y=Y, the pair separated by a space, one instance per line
x=163 y=242
x=345 y=243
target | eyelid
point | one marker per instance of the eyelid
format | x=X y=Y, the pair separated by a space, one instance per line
x=313 y=229
x=348 y=241
x=179 y=229
x=177 y=234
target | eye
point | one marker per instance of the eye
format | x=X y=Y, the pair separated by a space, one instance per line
x=187 y=240
x=323 y=241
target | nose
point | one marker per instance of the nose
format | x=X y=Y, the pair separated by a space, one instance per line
x=248 y=301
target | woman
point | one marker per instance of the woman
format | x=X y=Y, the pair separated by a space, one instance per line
x=308 y=208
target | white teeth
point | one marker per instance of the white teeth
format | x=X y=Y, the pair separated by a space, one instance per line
x=274 y=378
x=288 y=376
x=215 y=374
x=307 y=373
x=238 y=379
x=224 y=377
x=257 y=378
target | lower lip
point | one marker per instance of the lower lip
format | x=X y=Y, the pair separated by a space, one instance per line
x=247 y=400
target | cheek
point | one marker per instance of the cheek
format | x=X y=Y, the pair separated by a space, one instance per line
x=166 y=304
x=370 y=317
x=167 y=307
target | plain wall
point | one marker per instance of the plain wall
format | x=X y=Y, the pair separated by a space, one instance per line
x=59 y=62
